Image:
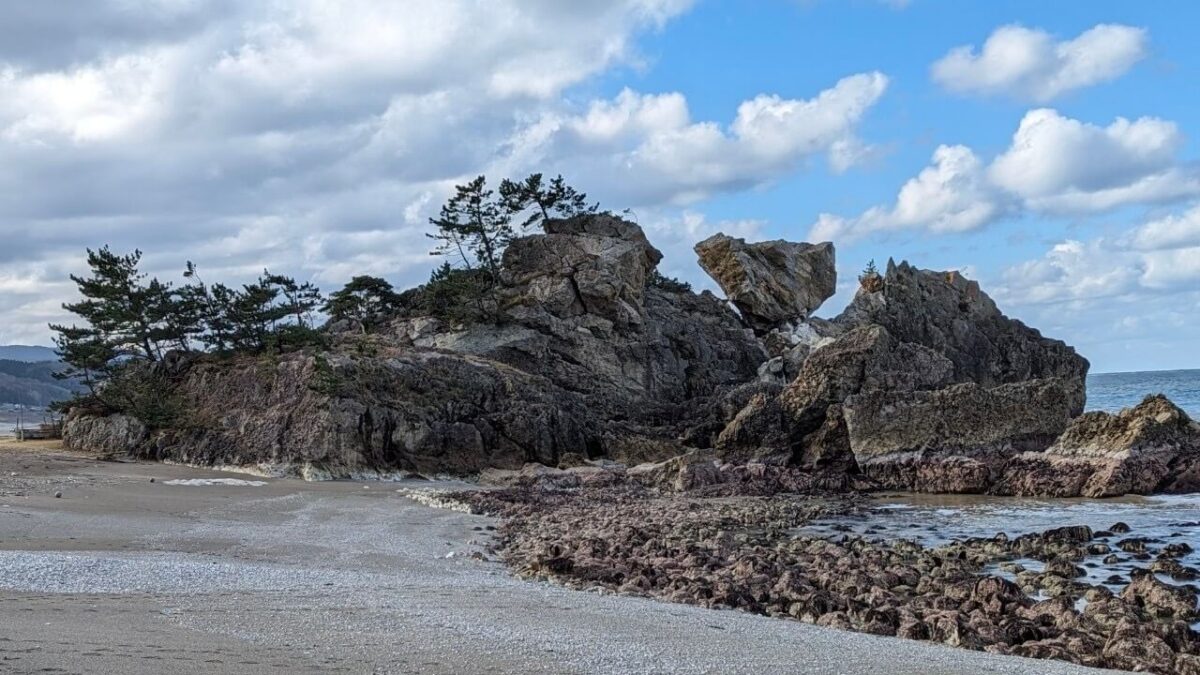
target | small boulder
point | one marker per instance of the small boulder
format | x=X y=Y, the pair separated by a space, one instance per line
x=1164 y=601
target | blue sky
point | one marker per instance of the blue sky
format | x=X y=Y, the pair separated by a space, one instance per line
x=724 y=52
x=316 y=138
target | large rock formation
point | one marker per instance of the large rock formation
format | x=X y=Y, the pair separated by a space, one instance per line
x=920 y=384
x=579 y=356
x=770 y=282
x=955 y=439
x=114 y=434
x=950 y=314
x=936 y=389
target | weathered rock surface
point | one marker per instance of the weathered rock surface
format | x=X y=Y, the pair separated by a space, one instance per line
x=114 y=434
x=581 y=357
x=770 y=282
x=745 y=554
x=920 y=384
x=950 y=314
x=954 y=439
x=935 y=388
x=1151 y=448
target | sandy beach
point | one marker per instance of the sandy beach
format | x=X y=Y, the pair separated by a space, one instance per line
x=130 y=572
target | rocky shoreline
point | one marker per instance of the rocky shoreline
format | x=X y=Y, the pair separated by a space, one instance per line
x=651 y=440
x=742 y=552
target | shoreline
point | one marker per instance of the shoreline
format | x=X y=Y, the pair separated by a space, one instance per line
x=345 y=577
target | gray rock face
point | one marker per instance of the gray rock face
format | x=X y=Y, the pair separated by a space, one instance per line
x=866 y=358
x=923 y=384
x=588 y=265
x=583 y=359
x=950 y=314
x=770 y=282
x=955 y=439
x=114 y=434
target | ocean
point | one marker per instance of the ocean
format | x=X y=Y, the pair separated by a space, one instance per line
x=934 y=520
x=1113 y=391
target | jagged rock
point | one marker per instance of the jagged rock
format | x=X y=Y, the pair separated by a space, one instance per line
x=407 y=410
x=573 y=271
x=530 y=475
x=577 y=356
x=770 y=282
x=864 y=358
x=791 y=345
x=951 y=315
x=112 y=434
x=685 y=472
x=935 y=388
x=1156 y=425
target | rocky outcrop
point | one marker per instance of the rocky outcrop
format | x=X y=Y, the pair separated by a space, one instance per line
x=1151 y=448
x=923 y=384
x=951 y=315
x=920 y=384
x=577 y=355
x=109 y=435
x=770 y=282
x=748 y=554
x=587 y=265
x=955 y=439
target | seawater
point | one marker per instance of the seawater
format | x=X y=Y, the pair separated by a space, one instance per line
x=935 y=520
x=1113 y=391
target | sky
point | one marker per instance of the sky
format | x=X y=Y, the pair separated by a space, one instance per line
x=1046 y=149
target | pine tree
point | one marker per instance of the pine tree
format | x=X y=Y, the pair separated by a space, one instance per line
x=86 y=356
x=475 y=226
x=128 y=314
x=554 y=200
x=365 y=300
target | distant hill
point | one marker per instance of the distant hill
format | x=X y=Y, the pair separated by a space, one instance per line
x=32 y=384
x=27 y=353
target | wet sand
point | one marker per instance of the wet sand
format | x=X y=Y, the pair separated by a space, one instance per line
x=125 y=575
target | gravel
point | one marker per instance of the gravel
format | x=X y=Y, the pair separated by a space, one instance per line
x=294 y=577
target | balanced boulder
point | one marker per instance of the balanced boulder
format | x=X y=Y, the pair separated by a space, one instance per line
x=770 y=282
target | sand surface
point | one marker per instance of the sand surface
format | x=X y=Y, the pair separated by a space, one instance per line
x=125 y=575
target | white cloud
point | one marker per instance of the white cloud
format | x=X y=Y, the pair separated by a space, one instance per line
x=1124 y=307
x=1029 y=64
x=1173 y=231
x=648 y=147
x=317 y=137
x=1054 y=165
x=952 y=195
x=1160 y=255
x=1057 y=163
